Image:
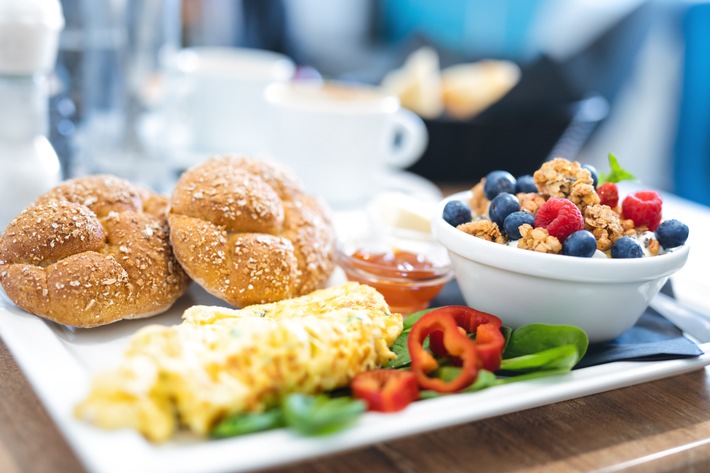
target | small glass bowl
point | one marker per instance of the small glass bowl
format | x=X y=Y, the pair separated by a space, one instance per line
x=407 y=288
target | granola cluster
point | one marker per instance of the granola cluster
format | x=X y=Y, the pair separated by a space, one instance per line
x=483 y=229
x=530 y=201
x=538 y=239
x=605 y=225
x=568 y=180
x=479 y=203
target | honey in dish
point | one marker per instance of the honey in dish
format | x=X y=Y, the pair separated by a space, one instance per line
x=411 y=293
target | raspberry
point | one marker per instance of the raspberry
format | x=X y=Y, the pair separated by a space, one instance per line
x=560 y=217
x=644 y=208
x=608 y=194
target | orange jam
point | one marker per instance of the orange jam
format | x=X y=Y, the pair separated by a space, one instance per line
x=408 y=281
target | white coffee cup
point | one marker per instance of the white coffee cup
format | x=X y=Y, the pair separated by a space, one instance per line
x=339 y=136
x=220 y=92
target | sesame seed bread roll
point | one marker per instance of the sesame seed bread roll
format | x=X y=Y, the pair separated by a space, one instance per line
x=248 y=233
x=92 y=251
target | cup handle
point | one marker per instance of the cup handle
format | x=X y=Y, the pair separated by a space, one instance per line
x=413 y=141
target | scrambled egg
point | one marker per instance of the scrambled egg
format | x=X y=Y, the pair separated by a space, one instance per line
x=221 y=361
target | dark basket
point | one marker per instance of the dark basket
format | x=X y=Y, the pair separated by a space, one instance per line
x=515 y=137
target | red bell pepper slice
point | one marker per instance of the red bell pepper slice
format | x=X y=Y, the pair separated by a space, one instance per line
x=385 y=390
x=454 y=342
x=489 y=339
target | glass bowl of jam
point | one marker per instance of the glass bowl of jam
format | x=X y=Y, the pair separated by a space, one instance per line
x=408 y=272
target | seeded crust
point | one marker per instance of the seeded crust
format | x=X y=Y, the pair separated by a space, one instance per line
x=246 y=231
x=568 y=180
x=538 y=239
x=90 y=252
x=483 y=229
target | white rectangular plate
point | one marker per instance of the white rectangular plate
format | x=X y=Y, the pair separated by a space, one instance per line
x=60 y=362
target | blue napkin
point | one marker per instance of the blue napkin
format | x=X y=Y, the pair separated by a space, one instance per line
x=653 y=337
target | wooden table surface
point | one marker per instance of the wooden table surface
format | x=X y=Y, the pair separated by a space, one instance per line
x=652 y=427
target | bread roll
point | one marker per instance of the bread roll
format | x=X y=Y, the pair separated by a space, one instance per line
x=92 y=251
x=418 y=83
x=246 y=231
x=468 y=89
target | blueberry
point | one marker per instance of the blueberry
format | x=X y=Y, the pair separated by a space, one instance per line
x=498 y=182
x=502 y=205
x=626 y=247
x=580 y=243
x=456 y=213
x=671 y=233
x=595 y=174
x=514 y=220
x=525 y=184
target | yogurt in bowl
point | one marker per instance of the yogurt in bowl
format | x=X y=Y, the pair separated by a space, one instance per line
x=602 y=296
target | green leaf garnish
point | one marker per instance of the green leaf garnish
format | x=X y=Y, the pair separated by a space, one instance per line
x=535 y=338
x=399 y=347
x=558 y=358
x=616 y=173
x=485 y=379
x=241 y=424
x=320 y=415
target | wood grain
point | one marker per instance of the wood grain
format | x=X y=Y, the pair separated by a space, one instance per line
x=653 y=427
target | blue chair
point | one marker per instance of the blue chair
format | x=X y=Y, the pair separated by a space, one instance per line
x=691 y=165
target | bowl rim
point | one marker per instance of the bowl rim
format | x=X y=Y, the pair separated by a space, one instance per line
x=568 y=268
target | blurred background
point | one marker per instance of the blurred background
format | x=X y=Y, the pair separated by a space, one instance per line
x=622 y=76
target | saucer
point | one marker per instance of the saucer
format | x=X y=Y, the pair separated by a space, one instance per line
x=408 y=183
x=351 y=221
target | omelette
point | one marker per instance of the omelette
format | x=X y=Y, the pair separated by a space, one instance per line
x=221 y=361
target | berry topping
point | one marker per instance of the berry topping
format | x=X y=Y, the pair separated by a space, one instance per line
x=644 y=208
x=511 y=224
x=456 y=213
x=567 y=208
x=593 y=171
x=581 y=243
x=498 y=182
x=626 y=247
x=560 y=217
x=525 y=184
x=502 y=205
x=608 y=194
x=671 y=233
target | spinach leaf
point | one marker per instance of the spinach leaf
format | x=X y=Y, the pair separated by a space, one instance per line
x=534 y=338
x=531 y=375
x=412 y=319
x=563 y=357
x=320 y=415
x=241 y=424
x=399 y=347
x=484 y=380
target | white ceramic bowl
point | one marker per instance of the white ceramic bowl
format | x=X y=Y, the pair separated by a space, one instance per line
x=602 y=297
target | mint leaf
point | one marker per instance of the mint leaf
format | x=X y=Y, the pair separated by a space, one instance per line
x=616 y=173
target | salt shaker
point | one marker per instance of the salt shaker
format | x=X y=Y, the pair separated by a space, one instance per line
x=29 y=36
